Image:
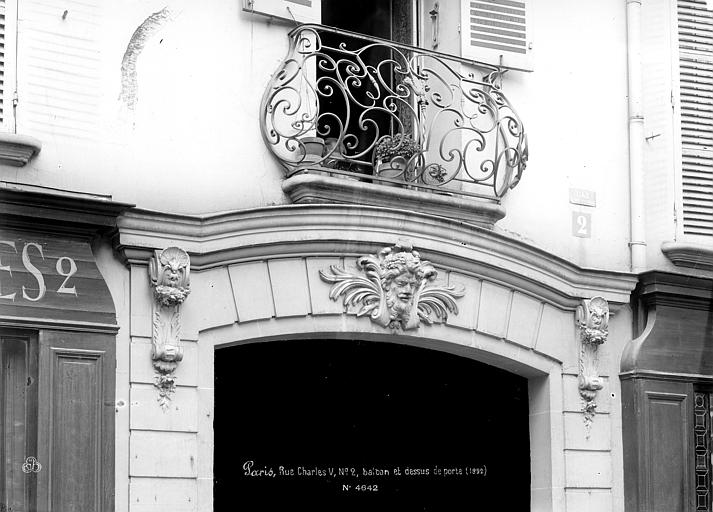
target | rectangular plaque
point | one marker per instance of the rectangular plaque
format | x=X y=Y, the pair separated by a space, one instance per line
x=582 y=197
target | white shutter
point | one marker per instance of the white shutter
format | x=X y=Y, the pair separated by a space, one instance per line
x=60 y=86
x=695 y=42
x=497 y=32
x=300 y=11
x=3 y=85
x=8 y=50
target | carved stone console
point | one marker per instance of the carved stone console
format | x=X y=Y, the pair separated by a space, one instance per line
x=18 y=150
x=169 y=271
x=394 y=289
x=593 y=323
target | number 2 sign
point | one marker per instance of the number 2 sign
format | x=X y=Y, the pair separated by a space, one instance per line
x=582 y=224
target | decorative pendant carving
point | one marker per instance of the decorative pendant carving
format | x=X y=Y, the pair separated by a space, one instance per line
x=169 y=271
x=395 y=289
x=593 y=323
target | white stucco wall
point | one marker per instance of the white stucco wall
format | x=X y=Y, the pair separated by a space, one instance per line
x=574 y=106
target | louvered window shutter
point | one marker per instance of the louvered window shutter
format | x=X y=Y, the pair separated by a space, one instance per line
x=300 y=11
x=497 y=32
x=3 y=85
x=8 y=62
x=695 y=42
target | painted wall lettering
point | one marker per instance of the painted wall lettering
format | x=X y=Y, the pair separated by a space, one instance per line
x=51 y=278
x=66 y=274
x=6 y=268
x=28 y=272
x=34 y=271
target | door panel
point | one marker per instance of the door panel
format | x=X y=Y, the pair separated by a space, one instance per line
x=76 y=418
x=18 y=427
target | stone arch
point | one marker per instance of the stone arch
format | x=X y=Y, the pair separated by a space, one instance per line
x=255 y=277
x=476 y=346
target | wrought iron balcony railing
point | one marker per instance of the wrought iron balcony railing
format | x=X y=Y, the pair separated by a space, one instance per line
x=378 y=111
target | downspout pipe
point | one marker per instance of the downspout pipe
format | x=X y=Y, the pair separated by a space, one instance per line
x=637 y=243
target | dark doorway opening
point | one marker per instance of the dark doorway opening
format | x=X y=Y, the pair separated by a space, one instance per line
x=332 y=425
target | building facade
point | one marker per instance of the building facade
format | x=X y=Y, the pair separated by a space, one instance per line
x=401 y=251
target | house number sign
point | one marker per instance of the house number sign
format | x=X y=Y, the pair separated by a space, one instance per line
x=50 y=277
x=582 y=224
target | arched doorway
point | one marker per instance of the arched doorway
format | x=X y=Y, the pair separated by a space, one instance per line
x=344 y=425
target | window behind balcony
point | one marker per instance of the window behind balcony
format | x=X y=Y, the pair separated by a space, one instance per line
x=385 y=19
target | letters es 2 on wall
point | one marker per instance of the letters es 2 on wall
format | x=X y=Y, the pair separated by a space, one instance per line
x=27 y=276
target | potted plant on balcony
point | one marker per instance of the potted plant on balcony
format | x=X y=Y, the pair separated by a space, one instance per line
x=336 y=158
x=392 y=155
x=334 y=153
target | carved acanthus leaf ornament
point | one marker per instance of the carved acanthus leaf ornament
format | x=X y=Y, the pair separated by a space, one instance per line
x=169 y=272
x=593 y=323
x=395 y=289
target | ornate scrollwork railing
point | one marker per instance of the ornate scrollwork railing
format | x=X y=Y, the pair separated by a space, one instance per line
x=384 y=111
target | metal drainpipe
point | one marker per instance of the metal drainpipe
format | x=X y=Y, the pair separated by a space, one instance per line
x=637 y=244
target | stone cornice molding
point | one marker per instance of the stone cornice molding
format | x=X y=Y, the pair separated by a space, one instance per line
x=675 y=290
x=29 y=207
x=16 y=150
x=58 y=325
x=689 y=254
x=319 y=188
x=325 y=230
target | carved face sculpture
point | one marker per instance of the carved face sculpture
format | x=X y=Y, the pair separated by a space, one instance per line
x=595 y=329
x=400 y=282
x=396 y=289
x=172 y=272
x=596 y=318
x=400 y=292
x=174 y=262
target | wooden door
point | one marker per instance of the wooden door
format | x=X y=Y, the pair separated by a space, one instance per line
x=18 y=424
x=76 y=421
